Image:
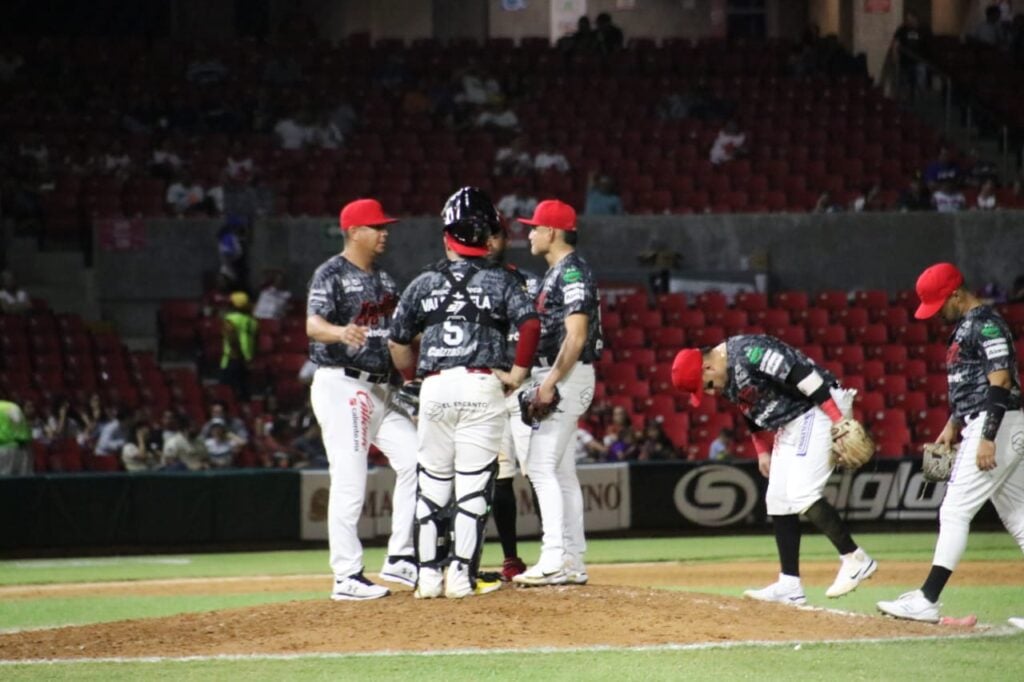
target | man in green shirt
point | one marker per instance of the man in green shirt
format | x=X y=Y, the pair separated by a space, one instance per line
x=15 y=435
x=239 y=333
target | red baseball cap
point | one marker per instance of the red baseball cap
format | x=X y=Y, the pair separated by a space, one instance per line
x=688 y=373
x=553 y=213
x=363 y=212
x=934 y=287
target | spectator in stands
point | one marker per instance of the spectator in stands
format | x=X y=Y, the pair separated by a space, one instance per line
x=517 y=204
x=909 y=44
x=583 y=40
x=915 y=197
x=324 y=134
x=293 y=132
x=991 y=30
x=114 y=434
x=588 y=448
x=36 y=422
x=655 y=444
x=177 y=452
x=219 y=410
x=234 y=262
x=274 y=449
x=730 y=144
x=602 y=199
x=947 y=198
x=608 y=36
x=549 y=158
x=513 y=159
x=310 y=443
x=240 y=166
x=185 y=196
x=15 y=436
x=141 y=452
x=986 y=200
x=477 y=87
x=117 y=161
x=64 y=421
x=222 y=446
x=619 y=420
x=93 y=417
x=239 y=334
x=624 y=447
x=497 y=115
x=213 y=190
x=13 y=299
x=272 y=303
x=869 y=199
x=723 y=448
x=941 y=169
x=164 y=162
x=826 y=204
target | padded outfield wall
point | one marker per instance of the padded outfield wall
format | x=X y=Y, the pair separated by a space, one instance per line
x=803 y=251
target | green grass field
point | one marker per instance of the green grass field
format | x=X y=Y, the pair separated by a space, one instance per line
x=976 y=658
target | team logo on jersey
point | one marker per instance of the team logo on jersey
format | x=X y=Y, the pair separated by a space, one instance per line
x=755 y=354
x=572 y=275
x=990 y=331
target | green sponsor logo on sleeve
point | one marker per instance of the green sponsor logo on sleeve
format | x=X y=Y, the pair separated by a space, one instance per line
x=755 y=354
x=572 y=275
x=991 y=331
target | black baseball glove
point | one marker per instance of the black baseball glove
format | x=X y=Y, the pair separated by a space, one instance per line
x=531 y=410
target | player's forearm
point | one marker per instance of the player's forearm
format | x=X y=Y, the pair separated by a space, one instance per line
x=322 y=331
x=996 y=401
x=401 y=355
x=810 y=382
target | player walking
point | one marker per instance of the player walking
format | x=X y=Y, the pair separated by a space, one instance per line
x=348 y=315
x=778 y=388
x=985 y=400
x=568 y=303
x=464 y=307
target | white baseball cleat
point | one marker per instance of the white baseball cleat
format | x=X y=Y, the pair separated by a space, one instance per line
x=1017 y=622
x=786 y=590
x=429 y=583
x=535 y=575
x=576 y=572
x=911 y=606
x=856 y=567
x=399 y=570
x=357 y=588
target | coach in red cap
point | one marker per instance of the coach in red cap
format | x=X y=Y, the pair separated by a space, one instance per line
x=363 y=213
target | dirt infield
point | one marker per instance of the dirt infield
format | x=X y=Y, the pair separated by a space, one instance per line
x=618 y=608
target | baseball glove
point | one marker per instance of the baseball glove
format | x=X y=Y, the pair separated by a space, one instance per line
x=408 y=397
x=938 y=462
x=852 y=447
x=531 y=411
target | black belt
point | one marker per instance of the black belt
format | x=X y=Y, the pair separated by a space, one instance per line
x=469 y=370
x=368 y=377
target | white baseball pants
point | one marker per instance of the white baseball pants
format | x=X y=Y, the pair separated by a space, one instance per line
x=551 y=467
x=352 y=415
x=515 y=441
x=969 y=488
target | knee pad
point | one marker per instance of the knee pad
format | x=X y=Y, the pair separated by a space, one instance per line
x=476 y=490
x=433 y=519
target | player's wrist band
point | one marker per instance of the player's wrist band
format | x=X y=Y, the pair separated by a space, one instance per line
x=995 y=408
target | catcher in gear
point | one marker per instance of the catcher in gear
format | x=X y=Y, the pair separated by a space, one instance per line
x=782 y=392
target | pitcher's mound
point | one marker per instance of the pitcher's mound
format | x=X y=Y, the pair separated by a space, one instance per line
x=510 y=618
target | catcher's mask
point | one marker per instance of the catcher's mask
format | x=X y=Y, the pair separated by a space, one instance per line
x=469 y=221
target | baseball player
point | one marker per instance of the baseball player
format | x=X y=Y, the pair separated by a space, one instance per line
x=516 y=440
x=778 y=388
x=985 y=401
x=570 y=342
x=464 y=307
x=348 y=317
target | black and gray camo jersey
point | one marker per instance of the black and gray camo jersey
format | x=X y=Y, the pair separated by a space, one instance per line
x=532 y=284
x=462 y=328
x=758 y=365
x=980 y=344
x=568 y=288
x=342 y=294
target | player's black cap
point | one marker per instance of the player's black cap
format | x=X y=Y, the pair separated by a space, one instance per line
x=469 y=221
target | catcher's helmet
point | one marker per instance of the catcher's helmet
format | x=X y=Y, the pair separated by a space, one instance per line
x=469 y=221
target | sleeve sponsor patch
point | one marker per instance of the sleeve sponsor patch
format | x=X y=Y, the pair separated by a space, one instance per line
x=574 y=293
x=991 y=331
x=572 y=275
x=771 y=362
x=996 y=348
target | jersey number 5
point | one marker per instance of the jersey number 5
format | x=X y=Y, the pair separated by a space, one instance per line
x=453 y=334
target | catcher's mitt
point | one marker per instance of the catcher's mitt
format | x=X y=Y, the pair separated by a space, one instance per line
x=852 y=447
x=938 y=462
x=408 y=397
x=531 y=411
